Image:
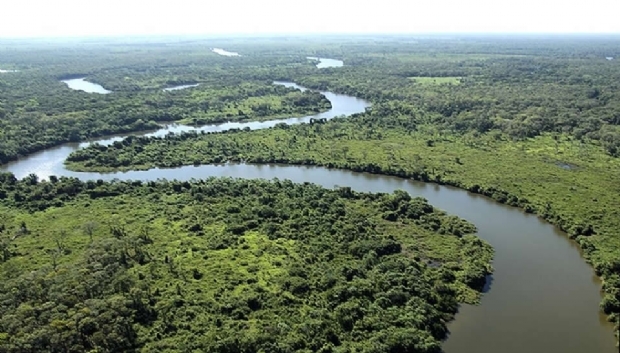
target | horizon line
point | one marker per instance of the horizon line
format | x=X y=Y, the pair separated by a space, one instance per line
x=233 y=35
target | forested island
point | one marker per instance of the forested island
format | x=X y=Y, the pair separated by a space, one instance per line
x=223 y=265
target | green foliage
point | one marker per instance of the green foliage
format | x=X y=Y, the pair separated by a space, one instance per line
x=570 y=183
x=531 y=123
x=223 y=265
x=37 y=111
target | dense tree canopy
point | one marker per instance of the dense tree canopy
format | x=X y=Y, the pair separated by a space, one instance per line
x=523 y=86
x=530 y=121
x=223 y=265
x=38 y=111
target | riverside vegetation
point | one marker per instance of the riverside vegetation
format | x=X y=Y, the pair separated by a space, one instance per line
x=228 y=265
x=531 y=122
x=38 y=111
x=535 y=128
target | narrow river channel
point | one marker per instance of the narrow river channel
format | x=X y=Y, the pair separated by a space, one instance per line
x=543 y=297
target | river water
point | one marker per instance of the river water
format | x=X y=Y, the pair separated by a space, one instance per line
x=224 y=52
x=542 y=297
x=177 y=88
x=80 y=84
x=324 y=63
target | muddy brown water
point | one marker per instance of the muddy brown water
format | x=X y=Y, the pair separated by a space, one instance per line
x=542 y=297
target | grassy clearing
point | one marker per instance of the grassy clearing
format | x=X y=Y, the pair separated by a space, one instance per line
x=436 y=80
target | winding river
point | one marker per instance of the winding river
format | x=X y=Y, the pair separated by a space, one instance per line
x=542 y=297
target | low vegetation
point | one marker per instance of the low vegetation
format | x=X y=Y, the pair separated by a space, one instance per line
x=436 y=80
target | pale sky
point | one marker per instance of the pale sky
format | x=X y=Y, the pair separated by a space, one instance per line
x=36 y=18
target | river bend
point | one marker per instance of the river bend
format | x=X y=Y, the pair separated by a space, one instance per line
x=543 y=297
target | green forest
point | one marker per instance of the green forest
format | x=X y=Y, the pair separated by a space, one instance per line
x=38 y=111
x=227 y=265
x=571 y=184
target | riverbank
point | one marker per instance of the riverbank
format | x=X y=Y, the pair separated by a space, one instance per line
x=387 y=154
x=530 y=174
x=256 y=103
x=240 y=257
x=550 y=282
x=245 y=119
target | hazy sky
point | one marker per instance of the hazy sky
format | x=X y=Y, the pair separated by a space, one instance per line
x=19 y=18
